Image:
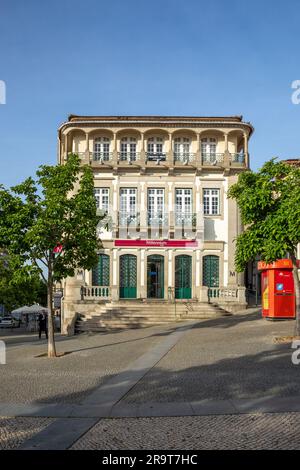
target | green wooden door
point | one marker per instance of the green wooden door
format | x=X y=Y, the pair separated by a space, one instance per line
x=128 y=277
x=155 y=277
x=211 y=273
x=183 y=277
x=100 y=273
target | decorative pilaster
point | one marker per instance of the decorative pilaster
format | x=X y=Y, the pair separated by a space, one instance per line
x=115 y=150
x=143 y=286
x=227 y=156
x=114 y=286
x=170 y=158
x=143 y=211
x=198 y=154
x=143 y=150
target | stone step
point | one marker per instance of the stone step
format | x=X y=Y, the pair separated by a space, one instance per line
x=126 y=320
x=115 y=326
x=138 y=314
x=148 y=317
x=133 y=311
x=137 y=319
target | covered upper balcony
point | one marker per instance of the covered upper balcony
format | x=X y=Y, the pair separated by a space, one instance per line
x=209 y=147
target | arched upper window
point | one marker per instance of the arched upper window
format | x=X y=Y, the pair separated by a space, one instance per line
x=208 y=148
x=128 y=148
x=181 y=147
x=155 y=148
x=101 y=148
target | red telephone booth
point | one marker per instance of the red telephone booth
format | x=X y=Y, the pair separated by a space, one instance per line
x=277 y=289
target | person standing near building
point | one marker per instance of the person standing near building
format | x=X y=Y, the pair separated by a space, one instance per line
x=42 y=325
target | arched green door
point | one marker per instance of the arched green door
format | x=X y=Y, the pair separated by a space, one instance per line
x=100 y=273
x=155 y=277
x=211 y=271
x=183 y=277
x=128 y=277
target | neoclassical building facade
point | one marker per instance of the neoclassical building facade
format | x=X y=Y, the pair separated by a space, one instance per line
x=162 y=183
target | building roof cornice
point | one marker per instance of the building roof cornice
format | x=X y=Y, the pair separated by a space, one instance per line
x=156 y=121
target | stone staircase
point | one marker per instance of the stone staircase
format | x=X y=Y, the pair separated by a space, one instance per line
x=138 y=314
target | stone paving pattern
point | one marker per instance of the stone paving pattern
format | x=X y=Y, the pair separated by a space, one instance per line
x=15 y=431
x=69 y=379
x=219 y=359
x=230 y=357
x=252 y=431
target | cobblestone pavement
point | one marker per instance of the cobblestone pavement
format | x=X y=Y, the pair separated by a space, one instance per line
x=224 y=358
x=69 y=379
x=252 y=431
x=14 y=431
x=229 y=357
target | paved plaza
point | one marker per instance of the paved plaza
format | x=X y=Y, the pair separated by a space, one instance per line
x=219 y=383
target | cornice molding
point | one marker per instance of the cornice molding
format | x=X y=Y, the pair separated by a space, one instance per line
x=162 y=124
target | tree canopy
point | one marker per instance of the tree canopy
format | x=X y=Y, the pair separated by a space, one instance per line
x=15 y=293
x=269 y=202
x=58 y=209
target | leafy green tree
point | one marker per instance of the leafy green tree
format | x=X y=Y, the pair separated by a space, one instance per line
x=269 y=201
x=49 y=226
x=15 y=293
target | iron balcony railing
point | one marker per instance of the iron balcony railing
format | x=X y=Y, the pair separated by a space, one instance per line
x=187 y=219
x=127 y=219
x=102 y=157
x=157 y=219
x=185 y=157
x=212 y=158
x=156 y=156
x=237 y=158
x=128 y=156
x=81 y=155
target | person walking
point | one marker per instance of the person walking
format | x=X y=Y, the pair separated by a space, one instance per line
x=42 y=319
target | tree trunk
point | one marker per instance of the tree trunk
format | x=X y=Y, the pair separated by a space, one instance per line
x=51 y=341
x=297 y=292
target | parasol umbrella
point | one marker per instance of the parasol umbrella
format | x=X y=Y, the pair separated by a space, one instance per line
x=19 y=311
x=36 y=309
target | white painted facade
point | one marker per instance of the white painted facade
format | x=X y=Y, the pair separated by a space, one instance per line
x=178 y=202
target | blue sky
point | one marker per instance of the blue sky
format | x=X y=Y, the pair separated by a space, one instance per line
x=167 y=57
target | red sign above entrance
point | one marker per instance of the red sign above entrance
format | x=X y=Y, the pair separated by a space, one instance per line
x=158 y=243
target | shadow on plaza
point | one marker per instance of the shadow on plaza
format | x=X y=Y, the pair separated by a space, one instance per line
x=217 y=322
x=220 y=322
x=267 y=373
x=17 y=337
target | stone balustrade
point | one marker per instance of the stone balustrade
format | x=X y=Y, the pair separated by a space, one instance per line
x=95 y=293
